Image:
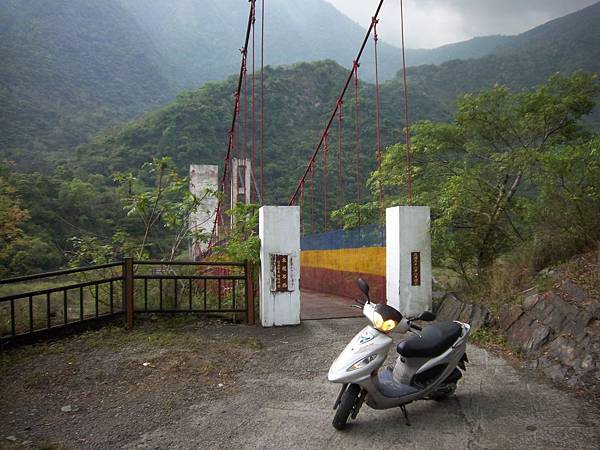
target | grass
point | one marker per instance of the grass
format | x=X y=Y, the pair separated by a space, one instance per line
x=490 y=338
x=175 y=334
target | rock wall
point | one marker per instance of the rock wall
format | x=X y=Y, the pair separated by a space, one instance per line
x=558 y=332
x=452 y=308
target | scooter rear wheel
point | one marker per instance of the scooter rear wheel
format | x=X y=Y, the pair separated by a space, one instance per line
x=345 y=407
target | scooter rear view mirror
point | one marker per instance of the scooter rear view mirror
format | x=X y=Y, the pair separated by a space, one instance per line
x=363 y=286
x=426 y=316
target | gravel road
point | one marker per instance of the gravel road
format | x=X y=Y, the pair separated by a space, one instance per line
x=274 y=394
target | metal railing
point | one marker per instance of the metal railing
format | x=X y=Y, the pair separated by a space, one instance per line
x=104 y=292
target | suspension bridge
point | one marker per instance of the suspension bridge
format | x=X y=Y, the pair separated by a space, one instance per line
x=243 y=175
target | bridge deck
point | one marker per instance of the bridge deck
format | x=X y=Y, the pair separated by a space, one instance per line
x=317 y=305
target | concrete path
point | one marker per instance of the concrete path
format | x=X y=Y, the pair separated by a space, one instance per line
x=282 y=400
x=317 y=305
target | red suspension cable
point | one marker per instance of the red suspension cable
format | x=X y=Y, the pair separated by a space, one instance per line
x=407 y=139
x=302 y=208
x=252 y=174
x=312 y=188
x=262 y=101
x=339 y=153
x=333 y=113
x=378 y=112
x=226 y=171
x=357 y=131
x=245 y=121
x=325 y=150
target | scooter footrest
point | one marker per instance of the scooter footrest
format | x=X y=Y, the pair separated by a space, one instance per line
x=390 y=388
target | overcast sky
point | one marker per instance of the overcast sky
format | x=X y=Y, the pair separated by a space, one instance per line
x=431 y=23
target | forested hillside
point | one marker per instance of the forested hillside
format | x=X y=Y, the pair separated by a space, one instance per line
x=78 y=198
x=298 y=100
x=473 y=48
x=70 y=69
x=194 y=128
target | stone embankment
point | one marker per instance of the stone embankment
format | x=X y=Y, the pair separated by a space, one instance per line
x=557 y=331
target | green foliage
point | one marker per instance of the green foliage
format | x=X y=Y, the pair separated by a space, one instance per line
x=11 y=214
x=488 y=337
x=242 y=242
x=76 y=68
x=88 y=66
x=512 y=165
x=567 y=212
x=353 y=215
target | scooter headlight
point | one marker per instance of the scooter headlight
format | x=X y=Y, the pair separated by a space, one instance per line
x=361 y=363
x=383 y=325
x=385 y=318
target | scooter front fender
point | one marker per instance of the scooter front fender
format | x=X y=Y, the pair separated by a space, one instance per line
x=369 y=345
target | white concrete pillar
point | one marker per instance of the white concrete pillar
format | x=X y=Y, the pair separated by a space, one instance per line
x=279 y=232
x=408 y=259
x=202 y=178
x=241 y=179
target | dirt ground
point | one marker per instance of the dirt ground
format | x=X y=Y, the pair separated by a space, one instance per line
x=208 y=384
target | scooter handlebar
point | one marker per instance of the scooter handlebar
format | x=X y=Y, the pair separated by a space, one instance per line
x=416 y=327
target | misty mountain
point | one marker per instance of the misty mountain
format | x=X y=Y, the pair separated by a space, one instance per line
x=473 y=48
x=298 y=99
x=565 y=45
x=71 y=69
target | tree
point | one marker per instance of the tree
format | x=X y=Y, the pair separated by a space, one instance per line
x=166 y=206
x=11 y=219
x=480 y=174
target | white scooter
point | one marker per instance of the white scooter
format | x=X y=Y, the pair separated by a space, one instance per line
x=426 y=368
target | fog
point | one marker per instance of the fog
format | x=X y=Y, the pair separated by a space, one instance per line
x=431 y=23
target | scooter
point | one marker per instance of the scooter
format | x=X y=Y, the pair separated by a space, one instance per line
x=427 y=366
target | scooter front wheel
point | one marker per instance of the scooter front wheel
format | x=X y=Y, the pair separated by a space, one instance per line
x=346 y=406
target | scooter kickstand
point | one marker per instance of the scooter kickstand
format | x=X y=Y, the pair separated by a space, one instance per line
x=403 y=408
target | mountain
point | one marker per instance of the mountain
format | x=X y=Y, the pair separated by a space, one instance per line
x=472 y=48
x=298 y=100
x=193 y=129
x=198 y=39
x=565 y=45
x=69 y=69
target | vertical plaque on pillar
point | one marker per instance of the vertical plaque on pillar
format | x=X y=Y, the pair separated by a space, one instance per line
x=415 y=268
x=280 y=273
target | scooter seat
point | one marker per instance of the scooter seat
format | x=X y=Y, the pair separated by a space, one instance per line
x=434 y=340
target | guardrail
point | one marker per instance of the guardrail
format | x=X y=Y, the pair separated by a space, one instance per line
x=105 y=292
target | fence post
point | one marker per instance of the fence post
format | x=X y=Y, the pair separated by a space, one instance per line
x=128 y=282
x=249 y=293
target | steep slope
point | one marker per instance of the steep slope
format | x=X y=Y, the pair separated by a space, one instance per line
x=562 y=45
x=473 y=48
x=197 y=39
x=69 y=69
x=194 y=128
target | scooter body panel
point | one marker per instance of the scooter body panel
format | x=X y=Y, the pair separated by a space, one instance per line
x=407 y=368
x=368 y=345
x=375 y=398
x=374 y=345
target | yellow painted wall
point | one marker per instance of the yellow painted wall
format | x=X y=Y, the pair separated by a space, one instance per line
x=369 y=260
